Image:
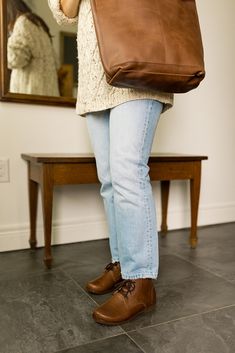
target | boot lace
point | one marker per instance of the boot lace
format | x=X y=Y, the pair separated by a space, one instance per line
x=111 y=265
x=125 y=287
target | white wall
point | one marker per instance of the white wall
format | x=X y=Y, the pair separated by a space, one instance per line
x=202 y=122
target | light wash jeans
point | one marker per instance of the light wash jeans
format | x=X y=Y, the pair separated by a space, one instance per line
x=122 y=139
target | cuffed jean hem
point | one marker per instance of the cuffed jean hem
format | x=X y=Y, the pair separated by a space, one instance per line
x=140 y=275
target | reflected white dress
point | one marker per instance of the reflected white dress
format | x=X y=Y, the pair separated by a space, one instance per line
x=31 y=58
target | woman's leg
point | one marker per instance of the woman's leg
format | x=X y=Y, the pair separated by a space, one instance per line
x=132 y=129
x=98 y=129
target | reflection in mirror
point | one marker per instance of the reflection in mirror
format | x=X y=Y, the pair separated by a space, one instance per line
x=41 y=56
x=30 y=52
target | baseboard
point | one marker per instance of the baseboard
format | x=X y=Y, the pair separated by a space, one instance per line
x=207 y=215
x=15 y=237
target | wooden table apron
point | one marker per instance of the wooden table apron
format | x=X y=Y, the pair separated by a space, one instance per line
x=49 y=170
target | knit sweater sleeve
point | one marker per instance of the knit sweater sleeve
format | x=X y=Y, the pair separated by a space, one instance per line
x=19 y=46
x=58 y=14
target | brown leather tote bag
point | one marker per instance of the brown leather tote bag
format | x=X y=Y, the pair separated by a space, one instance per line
x=150 y=44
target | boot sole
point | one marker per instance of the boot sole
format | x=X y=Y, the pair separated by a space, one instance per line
x=144 y=311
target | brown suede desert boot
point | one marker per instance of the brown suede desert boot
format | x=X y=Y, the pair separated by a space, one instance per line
x=131 y=298
x=107 y=281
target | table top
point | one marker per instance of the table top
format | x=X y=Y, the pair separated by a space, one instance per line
x=89 y=157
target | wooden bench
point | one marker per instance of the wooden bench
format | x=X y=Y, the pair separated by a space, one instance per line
x=49 y=170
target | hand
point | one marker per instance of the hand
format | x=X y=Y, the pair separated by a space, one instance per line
x=70 y=7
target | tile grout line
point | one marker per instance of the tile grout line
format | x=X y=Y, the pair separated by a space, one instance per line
x=78 y=285
x=184 y=318
x=132 y=339
x=93 y=341
x=87 y=295
x=201 y=268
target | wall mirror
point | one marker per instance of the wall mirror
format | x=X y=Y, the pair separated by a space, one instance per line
x=17 y=82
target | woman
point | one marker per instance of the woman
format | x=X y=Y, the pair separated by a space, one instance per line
x=121 y=124
x=30 y=52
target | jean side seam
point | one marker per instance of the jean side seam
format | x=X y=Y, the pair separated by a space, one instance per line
x=148 y=239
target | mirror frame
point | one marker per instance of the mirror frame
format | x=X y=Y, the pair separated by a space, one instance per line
x=5 y=95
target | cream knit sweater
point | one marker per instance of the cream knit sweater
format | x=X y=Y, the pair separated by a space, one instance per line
x=94 y=93
x=31 y=58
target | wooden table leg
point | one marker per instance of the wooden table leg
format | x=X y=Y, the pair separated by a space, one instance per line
x=47 y=202
x=195 y=194
x=33 y=202
x=165 y=187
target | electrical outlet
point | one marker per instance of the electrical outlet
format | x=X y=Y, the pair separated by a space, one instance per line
x=4 y=170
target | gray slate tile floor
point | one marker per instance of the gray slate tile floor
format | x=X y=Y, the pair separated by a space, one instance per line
x=48 y=311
